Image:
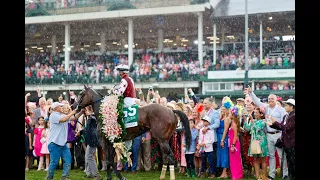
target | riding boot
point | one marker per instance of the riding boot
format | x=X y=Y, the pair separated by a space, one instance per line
x=193 y=173
x=188 y=172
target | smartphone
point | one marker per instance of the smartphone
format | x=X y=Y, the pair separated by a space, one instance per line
x=79 y=107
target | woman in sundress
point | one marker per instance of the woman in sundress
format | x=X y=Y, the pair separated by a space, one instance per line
x=256 y=127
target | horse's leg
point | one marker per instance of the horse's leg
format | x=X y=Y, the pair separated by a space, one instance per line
x=106 y=150
x=167 y=158
x=99 y=157
x=110 y=162
x=102 y=152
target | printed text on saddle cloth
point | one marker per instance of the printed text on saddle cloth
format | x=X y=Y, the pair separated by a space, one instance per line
x=130 y=116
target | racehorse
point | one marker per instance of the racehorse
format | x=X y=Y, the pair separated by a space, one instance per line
x=160 y=120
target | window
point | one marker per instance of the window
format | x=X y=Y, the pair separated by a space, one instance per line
x=216 y=87
x=222 y=86
x=228 y=86
x=208 y=87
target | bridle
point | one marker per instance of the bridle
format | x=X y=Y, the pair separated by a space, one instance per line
x=94 y=101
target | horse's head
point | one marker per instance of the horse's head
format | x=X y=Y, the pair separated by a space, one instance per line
x=85 y=98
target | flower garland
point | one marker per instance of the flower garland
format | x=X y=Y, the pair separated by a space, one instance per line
x=111 y=114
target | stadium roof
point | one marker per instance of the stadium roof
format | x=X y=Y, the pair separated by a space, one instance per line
x=237 y=7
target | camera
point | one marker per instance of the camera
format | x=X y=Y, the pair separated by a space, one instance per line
x=150 y=88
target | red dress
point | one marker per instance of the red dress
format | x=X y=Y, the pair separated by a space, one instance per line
x=246 y=138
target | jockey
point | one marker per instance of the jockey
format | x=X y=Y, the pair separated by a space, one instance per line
x=126 y=87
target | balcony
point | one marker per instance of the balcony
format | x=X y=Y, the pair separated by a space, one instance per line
x=238 y=94
x=86 y=6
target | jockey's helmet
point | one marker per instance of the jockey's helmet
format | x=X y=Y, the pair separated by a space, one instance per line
x=123 y=68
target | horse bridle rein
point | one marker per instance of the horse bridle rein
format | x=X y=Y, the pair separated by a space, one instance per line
x=80 y=99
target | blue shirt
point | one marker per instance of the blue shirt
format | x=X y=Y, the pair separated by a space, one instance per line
x=58 y=130
x=194 y=135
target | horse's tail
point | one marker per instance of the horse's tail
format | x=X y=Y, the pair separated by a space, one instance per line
x=185 y=124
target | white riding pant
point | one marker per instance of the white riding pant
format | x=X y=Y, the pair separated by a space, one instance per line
x=128 y=101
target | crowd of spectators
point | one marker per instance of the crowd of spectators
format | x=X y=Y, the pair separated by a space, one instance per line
x=45 y=68
x=248 y=120
x=267 y=86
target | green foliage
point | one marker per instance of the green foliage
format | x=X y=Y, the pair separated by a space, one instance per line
x=37 y=12
x=120 y=6
x=198 y=1
x=120 y=120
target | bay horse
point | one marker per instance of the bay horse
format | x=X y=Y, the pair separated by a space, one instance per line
x=160 y=120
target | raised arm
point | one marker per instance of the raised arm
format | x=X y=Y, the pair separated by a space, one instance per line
x=141 y=95
x=72 y=97
x=248 y=123
x=193 y=96
x=148 y=97
x=67 y=117
x=39 y=96
x=26 y=98
x=76 y=116
x=256 y=100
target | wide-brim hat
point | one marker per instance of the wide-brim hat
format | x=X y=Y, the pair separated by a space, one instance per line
x=290 y=101
x=206 y=118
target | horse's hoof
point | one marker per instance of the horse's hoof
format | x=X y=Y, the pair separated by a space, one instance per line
x=123 y=178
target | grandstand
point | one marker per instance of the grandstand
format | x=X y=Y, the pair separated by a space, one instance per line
x=96 y=33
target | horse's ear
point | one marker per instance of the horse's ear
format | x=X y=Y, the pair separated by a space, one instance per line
x=85 y=86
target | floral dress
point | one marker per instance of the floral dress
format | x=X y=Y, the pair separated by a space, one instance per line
x=257 y=133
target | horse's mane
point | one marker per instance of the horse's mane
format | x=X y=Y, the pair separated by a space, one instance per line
x=97 y=92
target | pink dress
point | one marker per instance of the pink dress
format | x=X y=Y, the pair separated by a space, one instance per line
x=44 y=148
x=235 y=157
x=183 y=162
x=37 y=143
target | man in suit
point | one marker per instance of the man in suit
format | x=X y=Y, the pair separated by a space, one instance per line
x=288 y=134
x=214 y=115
